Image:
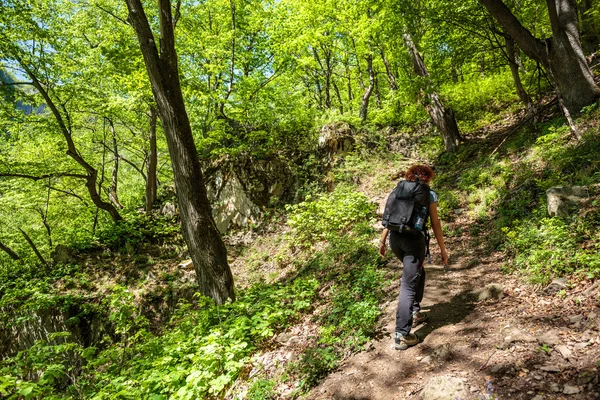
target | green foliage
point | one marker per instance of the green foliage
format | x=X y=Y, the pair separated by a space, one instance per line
x=136 y=230
x=480 y=102
x=261 y=389
x=329 y=216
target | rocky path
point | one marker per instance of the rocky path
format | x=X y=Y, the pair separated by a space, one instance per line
x=489 y=336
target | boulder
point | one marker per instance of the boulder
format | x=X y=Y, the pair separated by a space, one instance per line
x=169 y=210
x=549 y=338
x=556 y=286
x=231 y=204
x=337 y=138
x=562 y=198
x=62 y=255
x=491 y=291
x=445 y=388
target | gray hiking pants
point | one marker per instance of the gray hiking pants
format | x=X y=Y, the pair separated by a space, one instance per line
x=410 y=248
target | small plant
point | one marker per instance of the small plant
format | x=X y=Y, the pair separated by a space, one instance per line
x=261 y=389
x=545 y=348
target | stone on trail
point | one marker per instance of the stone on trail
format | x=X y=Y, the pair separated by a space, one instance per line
x=445 y=388
x=550 y=368
x=587 y=335
x=550 y=338
x=571 y=389
x=576 y=318
x=515 y=335
x=581 y=346
x=491 y=291
x=556 y=286
x=427 y=360
x=555 y=387
x=564 y=351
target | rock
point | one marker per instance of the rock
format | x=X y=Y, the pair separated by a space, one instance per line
x=571 y=389
x=231 y=205
x=337 y=138
x=62 y=255
x=564 y=351
x=497 y=368
x=562 y=198
x=169 y=210
x=442 y=352
x=556 y=286
x=576 y=318
x=592 y=315
x=444 y=388
x=550 y=368
x=427 y=360
x=491 y=291
x=581 y=346
x=587 y=336
x=538 y=397
x=550 y=338
x=515 y=335
x=555 y=387
x=186 y=264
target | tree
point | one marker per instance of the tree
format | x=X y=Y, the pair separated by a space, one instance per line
x=561 y=55
x=205 y=245
x=443 y=117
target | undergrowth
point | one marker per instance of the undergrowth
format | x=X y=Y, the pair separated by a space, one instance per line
x=205 y=348
x=505 y=195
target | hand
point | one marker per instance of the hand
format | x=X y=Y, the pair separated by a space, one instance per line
x=444 y=255
x=382 y=249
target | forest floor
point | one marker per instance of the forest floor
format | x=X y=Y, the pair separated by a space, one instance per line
x=522 y=342
x=490 y=335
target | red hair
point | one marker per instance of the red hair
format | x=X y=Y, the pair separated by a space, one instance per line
x=423 y=172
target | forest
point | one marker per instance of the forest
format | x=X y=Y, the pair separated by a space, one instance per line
x=191 y=196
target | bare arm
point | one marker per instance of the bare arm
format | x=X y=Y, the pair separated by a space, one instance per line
x=436 y=225
x=382 y=245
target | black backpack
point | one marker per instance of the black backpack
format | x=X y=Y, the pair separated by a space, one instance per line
x=407 y=207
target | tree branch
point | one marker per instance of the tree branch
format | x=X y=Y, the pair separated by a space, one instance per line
x=9 y=251
x=34 y=247
x=37 y=178
x=112 y=14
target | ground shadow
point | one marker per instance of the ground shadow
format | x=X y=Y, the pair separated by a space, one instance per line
x=447 y=313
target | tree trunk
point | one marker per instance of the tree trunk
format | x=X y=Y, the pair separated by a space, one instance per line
x=349 y=87
x=205 y=245
x=514 y=69
x=9 y=251
x=364 y=107
x=561 y=55
x=112 y=190
x=388 y=70
x=339 y=97
x=34 y=247
x=377 y=93
x=443 y=117
x=151 y=178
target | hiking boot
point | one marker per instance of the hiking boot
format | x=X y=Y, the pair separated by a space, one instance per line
x=419 y=318
x=404 y=342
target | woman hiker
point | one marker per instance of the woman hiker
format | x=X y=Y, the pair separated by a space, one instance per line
x=409 y=247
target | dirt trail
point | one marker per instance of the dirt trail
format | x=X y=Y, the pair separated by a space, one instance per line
x=492 y=345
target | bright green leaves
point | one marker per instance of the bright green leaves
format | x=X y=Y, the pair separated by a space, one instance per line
x=329 y=216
